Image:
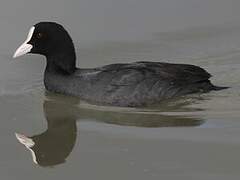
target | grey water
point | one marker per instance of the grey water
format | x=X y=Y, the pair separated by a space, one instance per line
x=60 y=137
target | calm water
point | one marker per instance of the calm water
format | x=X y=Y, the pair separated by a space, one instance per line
x=194 y=137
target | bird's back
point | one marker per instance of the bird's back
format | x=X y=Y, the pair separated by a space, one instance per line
x=140 y=83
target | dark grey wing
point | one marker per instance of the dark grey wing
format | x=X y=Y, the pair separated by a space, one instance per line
x=128 y=74
x=189 y=74
x=137 y=83
x=127 y=84
x=177 y=73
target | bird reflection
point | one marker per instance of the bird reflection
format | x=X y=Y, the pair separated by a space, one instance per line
x=54 y=145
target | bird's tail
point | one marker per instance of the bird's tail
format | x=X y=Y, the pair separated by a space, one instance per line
x=218 y=88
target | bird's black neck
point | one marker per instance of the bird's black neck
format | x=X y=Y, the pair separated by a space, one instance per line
x=62 y=60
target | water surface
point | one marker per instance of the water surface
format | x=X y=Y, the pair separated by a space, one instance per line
x=59 y=137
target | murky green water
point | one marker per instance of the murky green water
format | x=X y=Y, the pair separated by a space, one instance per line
x=59 y=137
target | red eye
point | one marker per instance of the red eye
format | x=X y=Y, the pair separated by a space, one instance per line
x=39 y=35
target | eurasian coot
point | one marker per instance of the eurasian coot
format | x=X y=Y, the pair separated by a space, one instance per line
x=122 y=84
